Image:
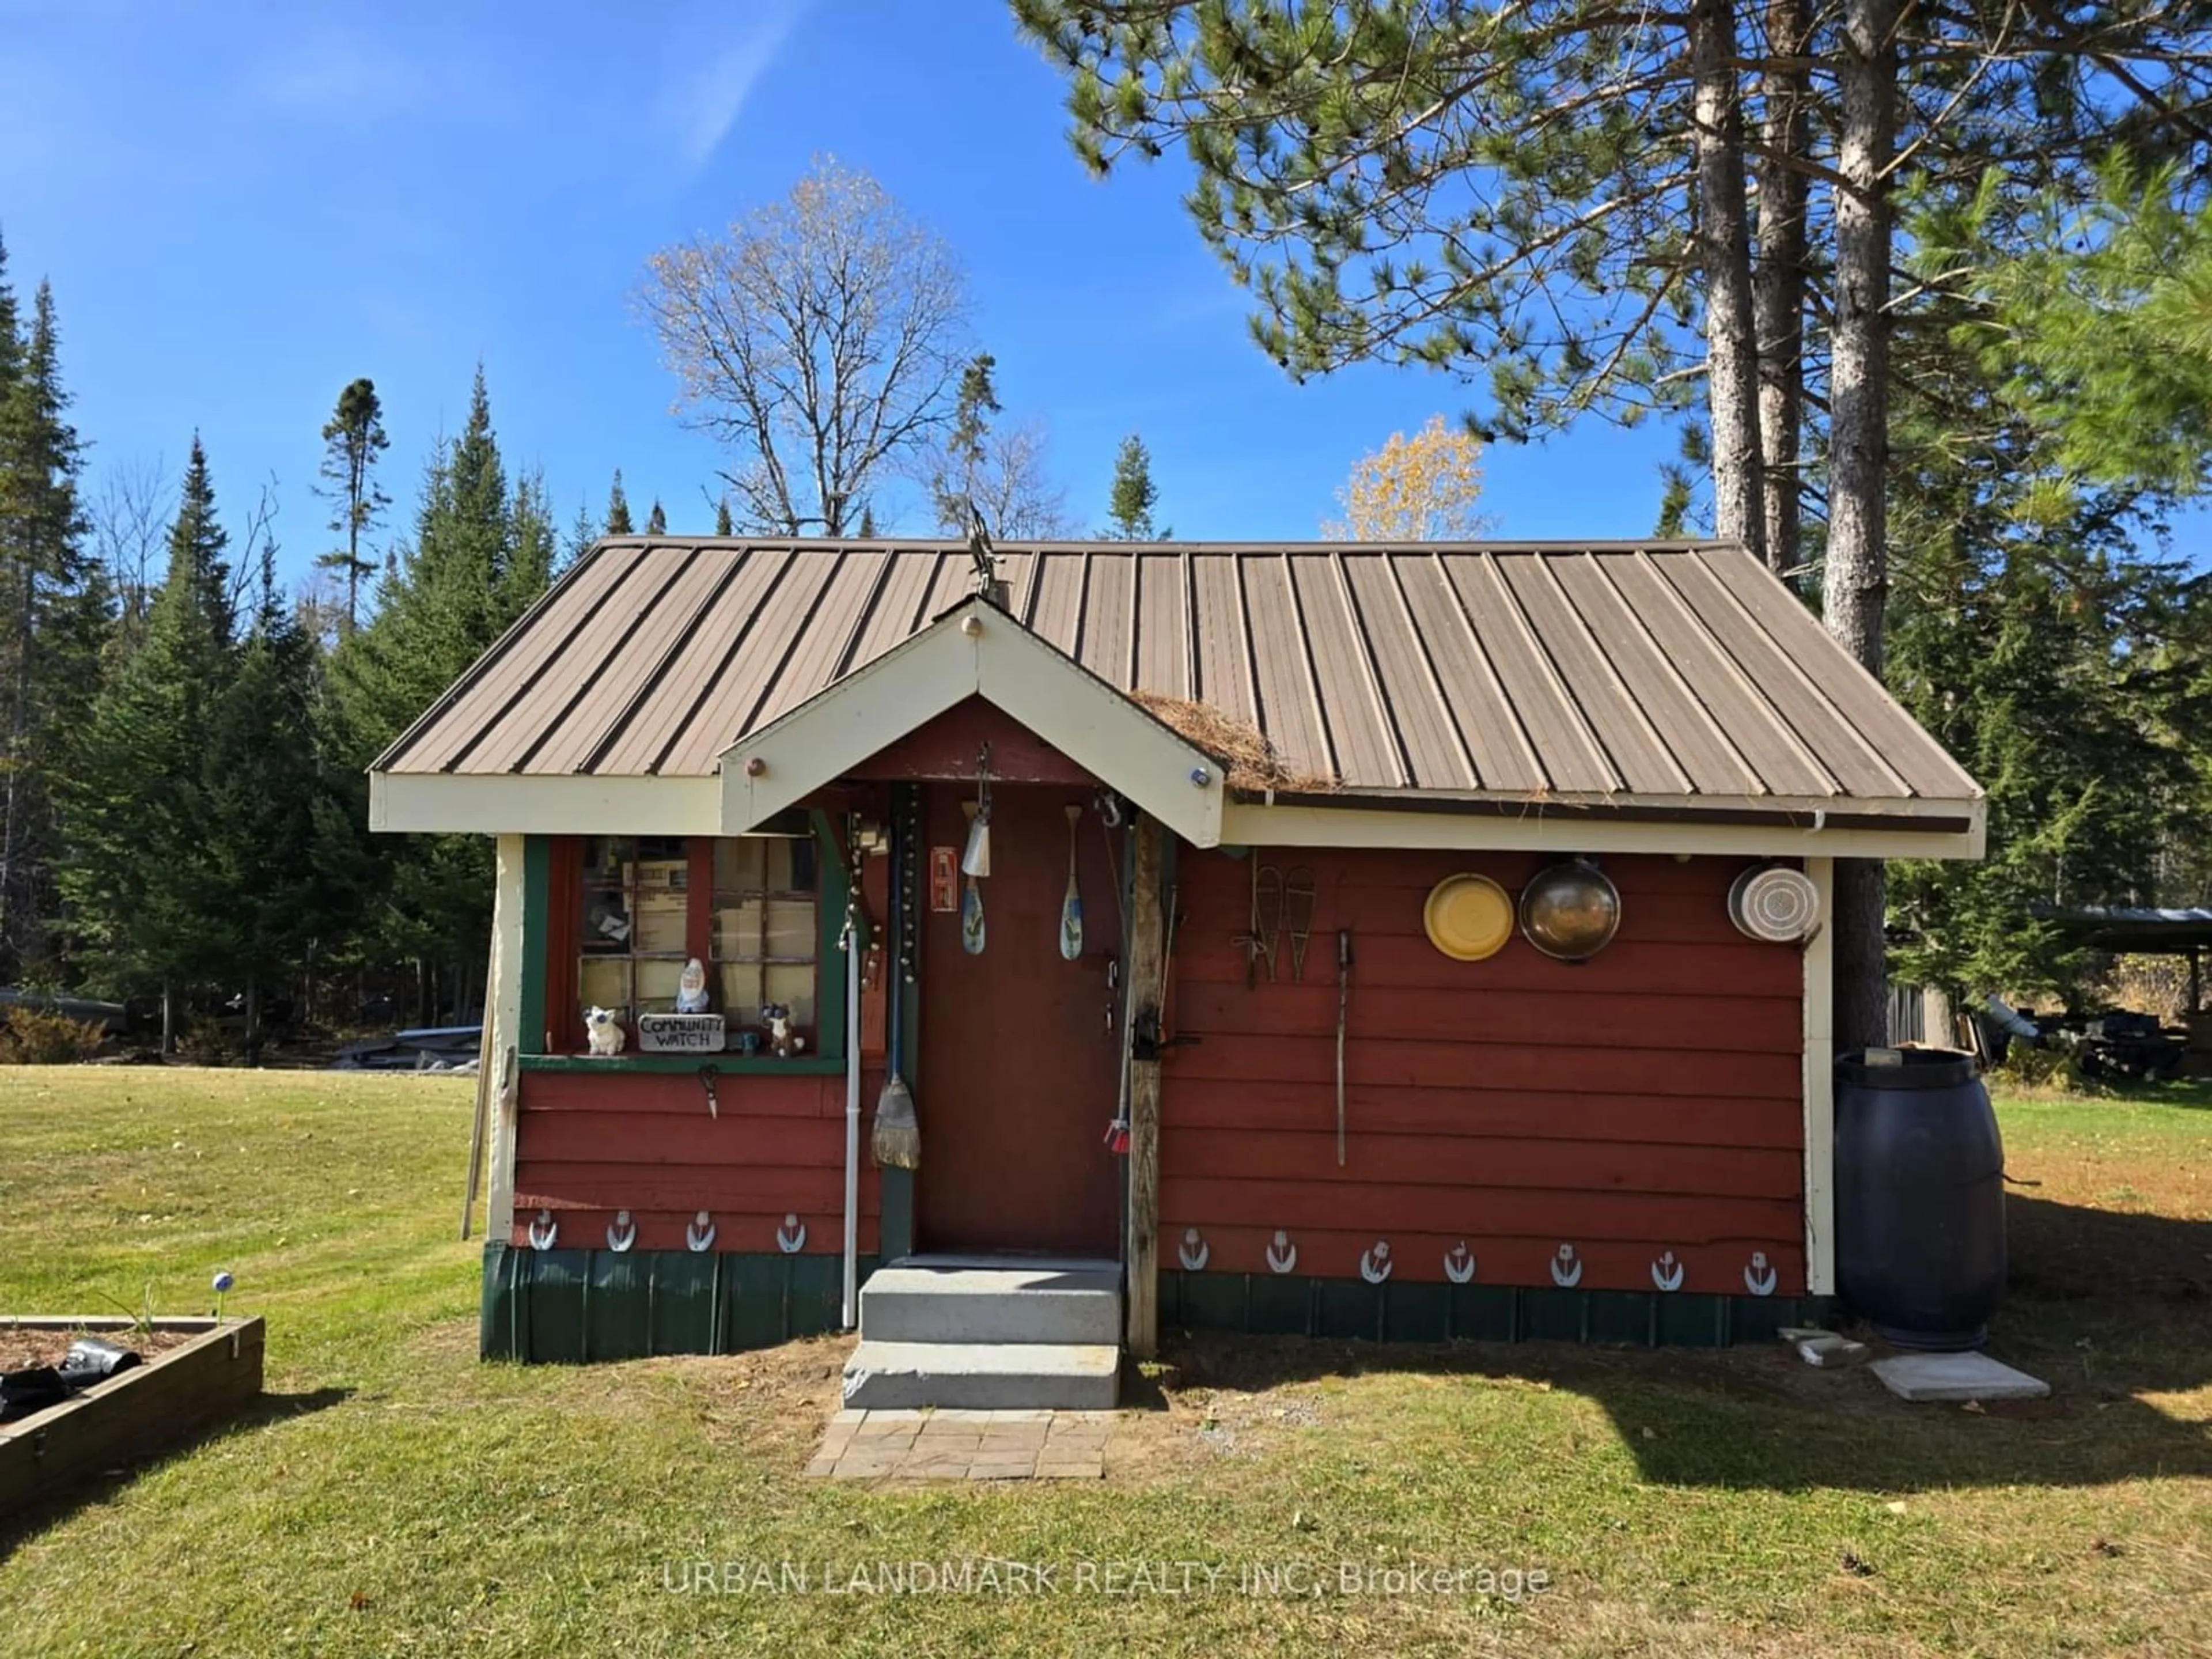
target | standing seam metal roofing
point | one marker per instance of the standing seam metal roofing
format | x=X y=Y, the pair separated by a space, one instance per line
x=1659 y=669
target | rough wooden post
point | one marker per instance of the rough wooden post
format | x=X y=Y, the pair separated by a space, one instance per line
x=1142 y=1249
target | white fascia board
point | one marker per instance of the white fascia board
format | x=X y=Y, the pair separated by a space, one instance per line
x=1250 y=825
x=498 y=803
x=973 y=650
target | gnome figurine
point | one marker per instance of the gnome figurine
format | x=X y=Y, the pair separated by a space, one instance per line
x=692 y=988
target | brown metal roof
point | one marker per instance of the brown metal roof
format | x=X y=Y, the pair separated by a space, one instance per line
x=1666 y=669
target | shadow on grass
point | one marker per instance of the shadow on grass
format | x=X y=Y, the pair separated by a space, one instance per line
x=24 y=1524
x=2108 y=1308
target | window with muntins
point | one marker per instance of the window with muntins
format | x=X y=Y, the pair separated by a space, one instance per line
x=747 y=907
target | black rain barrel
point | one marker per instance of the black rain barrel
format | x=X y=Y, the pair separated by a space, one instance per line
x=1920 y=1236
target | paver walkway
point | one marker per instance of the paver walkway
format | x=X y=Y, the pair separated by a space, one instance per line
x=964 y=1445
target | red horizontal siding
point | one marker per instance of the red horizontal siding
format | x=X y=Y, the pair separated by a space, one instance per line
x=1521 y=1017
x=1646 y=1100
x=588 y=1145
x=1679 y=1121
x=1629 y=966
x=1442 y=1062
x=1649 y=1166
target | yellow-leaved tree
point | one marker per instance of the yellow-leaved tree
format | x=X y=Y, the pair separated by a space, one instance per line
x=1421 y=488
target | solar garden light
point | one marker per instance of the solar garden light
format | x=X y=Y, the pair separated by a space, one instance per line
x=223 y=1281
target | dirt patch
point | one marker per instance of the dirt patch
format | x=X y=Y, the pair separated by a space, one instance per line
x=22 y=1349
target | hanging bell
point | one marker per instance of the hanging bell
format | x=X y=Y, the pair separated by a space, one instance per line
x=975 y=858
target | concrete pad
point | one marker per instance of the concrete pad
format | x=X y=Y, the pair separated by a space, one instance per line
x=1955 y=1376
x=1023 y=1376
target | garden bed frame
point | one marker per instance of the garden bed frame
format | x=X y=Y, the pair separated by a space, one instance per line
x=141 y=1411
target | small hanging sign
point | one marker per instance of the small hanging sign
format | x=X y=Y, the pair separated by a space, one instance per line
x=945 y=880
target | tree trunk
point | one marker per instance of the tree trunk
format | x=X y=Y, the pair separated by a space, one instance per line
x=253 y=1019
x=168 y=1018
x=1778 y=287
x=1855 y=582
x=1724 y=256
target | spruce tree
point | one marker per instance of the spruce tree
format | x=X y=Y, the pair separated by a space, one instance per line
x=1129 y=504
x=619 y=522
x=480 y=556
x=262 y=801
x=583 y=530
x=137 y=873
x=656 y=521
x=353 y=439
x=722 y=525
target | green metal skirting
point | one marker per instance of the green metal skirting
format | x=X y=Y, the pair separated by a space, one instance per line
x=571 y=1306
x=1292 y=1304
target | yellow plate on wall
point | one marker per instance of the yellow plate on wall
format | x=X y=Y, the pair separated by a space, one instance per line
x=1467 y=917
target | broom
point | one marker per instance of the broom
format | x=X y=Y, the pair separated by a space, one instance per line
x=898 y=1137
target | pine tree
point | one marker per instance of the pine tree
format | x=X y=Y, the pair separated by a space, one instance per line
x=137 y=876
x=656 y=521
x=722 y=525
x=619 y=509
x=868 y=522
x=353 y=439
x=1129 y=504
x=952 y=481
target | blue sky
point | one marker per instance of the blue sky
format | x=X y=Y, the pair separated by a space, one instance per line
x=244 y=205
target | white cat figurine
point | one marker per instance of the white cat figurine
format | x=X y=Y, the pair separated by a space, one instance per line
x=607 y=1035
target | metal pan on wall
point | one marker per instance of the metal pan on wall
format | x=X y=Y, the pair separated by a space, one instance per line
x=1571 y=911
x=1774 y=904
x=1467 y=917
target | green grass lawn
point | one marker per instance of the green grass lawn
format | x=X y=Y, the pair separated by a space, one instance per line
x=394 y=1495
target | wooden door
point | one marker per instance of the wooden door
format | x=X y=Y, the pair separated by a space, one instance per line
x=1018 y=1068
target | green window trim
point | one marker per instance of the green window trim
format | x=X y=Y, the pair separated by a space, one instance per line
x=828 y=1052
x=536 y=909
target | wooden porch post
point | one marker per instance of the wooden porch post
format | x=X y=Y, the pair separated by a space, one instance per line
x=1141 y=1251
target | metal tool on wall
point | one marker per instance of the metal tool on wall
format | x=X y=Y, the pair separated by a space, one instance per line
x=1260 y=937
x=1298 y=916
x=1343 y=1003
x=1071 y=908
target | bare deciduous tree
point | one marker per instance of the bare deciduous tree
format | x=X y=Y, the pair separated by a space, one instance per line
x=1014 y=491
x=820 y=339
x=129 y=521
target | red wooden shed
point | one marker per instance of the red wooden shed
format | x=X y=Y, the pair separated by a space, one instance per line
x=1299 y=1066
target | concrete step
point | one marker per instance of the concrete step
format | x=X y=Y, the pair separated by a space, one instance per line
x=952 y=1301
x=983 y=1376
